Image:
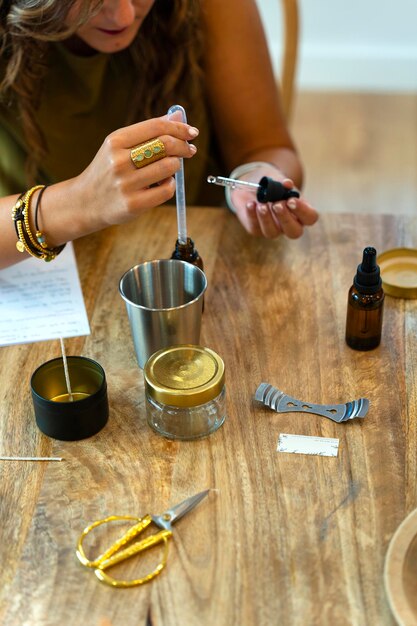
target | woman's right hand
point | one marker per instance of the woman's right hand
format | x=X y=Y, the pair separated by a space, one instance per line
x=112 y=190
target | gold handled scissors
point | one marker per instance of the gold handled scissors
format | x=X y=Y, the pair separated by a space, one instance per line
x=117 y=552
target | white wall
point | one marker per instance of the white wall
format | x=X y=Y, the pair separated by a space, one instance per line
x=355 y=45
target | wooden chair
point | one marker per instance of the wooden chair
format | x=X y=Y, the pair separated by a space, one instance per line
x=290 y=15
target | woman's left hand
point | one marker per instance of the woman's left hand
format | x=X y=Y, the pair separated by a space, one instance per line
x=286 y=217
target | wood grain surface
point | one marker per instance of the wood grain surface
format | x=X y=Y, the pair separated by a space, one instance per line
x=359 y=150
x=283 y=539
x=400 y=572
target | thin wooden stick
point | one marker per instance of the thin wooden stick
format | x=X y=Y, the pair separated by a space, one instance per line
x=67 y=378
x=31 y=458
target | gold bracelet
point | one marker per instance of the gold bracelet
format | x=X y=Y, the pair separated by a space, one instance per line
x=26 y=241
x=16 y=215
x=21 y=219
x=40 y=236
x=23 y=244
x=26 y=211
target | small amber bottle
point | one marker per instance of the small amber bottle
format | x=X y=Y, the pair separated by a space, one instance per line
x=365 y=305
x=187 y=252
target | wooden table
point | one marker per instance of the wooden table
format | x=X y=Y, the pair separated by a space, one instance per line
x=283 y=539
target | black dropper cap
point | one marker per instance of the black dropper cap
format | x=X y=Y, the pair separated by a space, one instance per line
x=368 y=279
x=271 y=190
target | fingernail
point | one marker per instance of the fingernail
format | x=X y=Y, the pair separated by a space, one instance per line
x=263 y=209
x=250 y=205
x=291 y=204
x=192 y=131
x=277 y=208
x=193 y=149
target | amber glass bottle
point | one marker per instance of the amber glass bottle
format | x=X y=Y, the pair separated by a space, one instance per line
x=365 y=305
x=187 y=252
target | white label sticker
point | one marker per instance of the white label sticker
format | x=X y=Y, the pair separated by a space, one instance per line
x=303 y=444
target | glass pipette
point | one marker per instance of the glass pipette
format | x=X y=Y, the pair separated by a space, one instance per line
x=184 y=246
x=267 y=190
x=180 y=185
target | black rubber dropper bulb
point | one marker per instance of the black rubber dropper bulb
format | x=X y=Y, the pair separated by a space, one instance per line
x=365 y=304
x=271 y=190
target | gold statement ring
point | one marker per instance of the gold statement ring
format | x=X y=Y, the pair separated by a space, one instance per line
x=148 y=152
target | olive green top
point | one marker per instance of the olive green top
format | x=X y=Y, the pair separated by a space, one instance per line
x=83 y=100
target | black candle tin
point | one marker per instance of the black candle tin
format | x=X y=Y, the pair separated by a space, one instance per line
x=61 y=418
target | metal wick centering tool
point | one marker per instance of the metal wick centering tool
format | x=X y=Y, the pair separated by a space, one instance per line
x=267 y=190
x=282 y=403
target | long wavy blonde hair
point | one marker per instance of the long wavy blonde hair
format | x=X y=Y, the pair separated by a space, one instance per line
x=27 y=28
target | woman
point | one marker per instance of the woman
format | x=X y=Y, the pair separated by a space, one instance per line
x=87 y=81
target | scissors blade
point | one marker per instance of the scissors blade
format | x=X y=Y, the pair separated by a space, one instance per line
x=166 y=519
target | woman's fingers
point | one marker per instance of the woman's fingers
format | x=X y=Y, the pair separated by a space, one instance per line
x=270 y=227
x=167 y=165
x=249 y=219
x=288 y=183
x=131 y=136
x=152 y=196
x=272 y=220
x=293 y=215
x=172 y=147
x=176 y=147
x=257 y=220
x=151 y=174
x=288 y=217
x=303 y=211
x=288 y=221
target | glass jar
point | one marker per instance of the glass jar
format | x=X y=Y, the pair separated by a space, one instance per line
x=185 y=392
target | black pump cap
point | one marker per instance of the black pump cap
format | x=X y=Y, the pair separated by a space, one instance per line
x=368 y=279
x=271 y=190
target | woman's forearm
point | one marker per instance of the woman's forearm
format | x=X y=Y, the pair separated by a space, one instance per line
x=61 y=217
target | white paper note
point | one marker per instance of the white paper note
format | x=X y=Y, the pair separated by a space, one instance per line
x=41 y=301
x=303 y=444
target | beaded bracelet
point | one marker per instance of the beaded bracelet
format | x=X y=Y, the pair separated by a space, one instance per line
x=38 y=247
x=23 y=242
x=26 y=211
x=16 y=210
x=39 y=234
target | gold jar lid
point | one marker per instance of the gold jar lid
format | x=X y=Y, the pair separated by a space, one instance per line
x=399 y=272
x=184 y=376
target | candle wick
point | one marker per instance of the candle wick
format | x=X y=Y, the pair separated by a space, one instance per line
x=67 y=378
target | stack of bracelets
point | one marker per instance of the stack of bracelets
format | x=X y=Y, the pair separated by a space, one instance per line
x=34 y=245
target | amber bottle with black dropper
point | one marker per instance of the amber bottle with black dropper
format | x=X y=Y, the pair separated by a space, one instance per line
x=187 y=252
x=365 y=305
